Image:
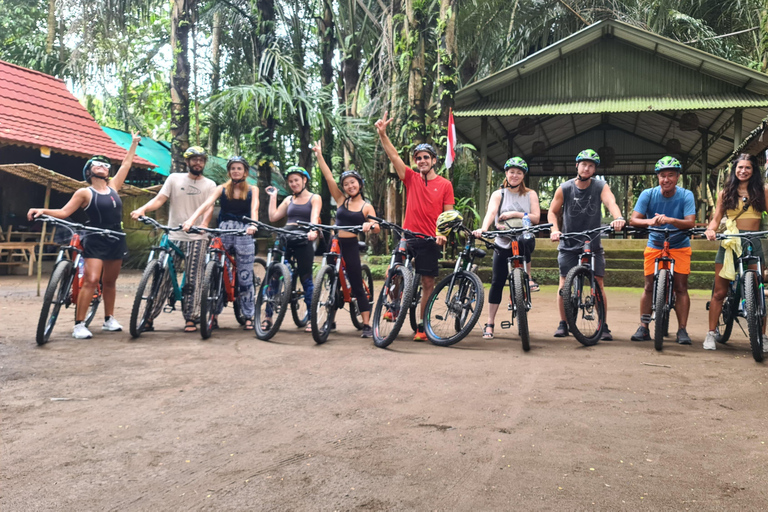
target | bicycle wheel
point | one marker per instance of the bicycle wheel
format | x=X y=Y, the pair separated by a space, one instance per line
x=354 y=312
x=414 y=311
x=323 y=303
x=56 y=294
x=728 y=315
x=584 y=308
x=272 y=301
x=213 y=288
x=146 y=295
x=662 y=308
x=754 y=319
x=93 y=306
x=259 y=271
x=520 y=280
x=454 y=308
x=299 y=306
x=392 y=306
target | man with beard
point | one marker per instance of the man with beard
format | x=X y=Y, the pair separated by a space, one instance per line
x=187 y=191
x=427 y=196
x=580 y=201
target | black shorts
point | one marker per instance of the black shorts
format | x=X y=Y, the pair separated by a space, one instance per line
x=426 y=254
x=567 y=260
x=102 y=248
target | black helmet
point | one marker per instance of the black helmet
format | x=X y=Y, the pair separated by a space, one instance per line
x=425 y=147
x=236 y=159
x=101 y=159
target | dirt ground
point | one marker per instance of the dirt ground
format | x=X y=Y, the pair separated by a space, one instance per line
x=171 y=422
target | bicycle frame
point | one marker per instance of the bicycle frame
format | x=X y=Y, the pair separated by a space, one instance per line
x=748 y=260
x=665 y=261
x=216 y=250
x=166 y=261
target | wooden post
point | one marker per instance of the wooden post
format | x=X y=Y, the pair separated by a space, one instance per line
x=482 y=196
x=704 y=171
x=42 y=238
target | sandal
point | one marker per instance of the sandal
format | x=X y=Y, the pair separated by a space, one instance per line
x=533 y=286
x=308 y=328
x=149 y=327
x=488 y=335
x=190 y=327
x=266 y=325
x=248 y=325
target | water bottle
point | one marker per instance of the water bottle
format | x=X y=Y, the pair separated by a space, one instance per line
x=80 y=268
x=527 y=225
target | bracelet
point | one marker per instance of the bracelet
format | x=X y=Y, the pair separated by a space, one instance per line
x=619 y=218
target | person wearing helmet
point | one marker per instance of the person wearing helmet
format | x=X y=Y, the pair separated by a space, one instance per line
x=427 y=196
x=301 y=205
x=579 y=201
x=103 y=256
x=236 y=199
x=506 y=209
x=668 y=207
x=742 y=202
x=186 y=192
x=352 y=210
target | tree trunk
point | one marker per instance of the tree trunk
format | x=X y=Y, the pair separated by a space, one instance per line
x=764 y=40
x=417 y=112
x=350 y=72
x=51 y=27
x=448 y=80
x=213 y=130
x=265 y=35
x=181 y=20
x=327 y=31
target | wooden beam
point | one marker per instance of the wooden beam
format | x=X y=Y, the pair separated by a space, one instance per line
x=482 y=202
x=46 y=204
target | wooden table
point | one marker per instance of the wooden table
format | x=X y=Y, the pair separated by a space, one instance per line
x=18 y=253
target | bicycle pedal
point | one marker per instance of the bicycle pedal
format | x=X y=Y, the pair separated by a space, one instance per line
x=168 y=308
x=505 y=324
x=439 y=317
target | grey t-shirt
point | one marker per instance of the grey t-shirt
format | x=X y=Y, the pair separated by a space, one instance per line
x=185 y=195
x=581 y=212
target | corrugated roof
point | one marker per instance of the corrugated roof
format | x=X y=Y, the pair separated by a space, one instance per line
x=38 y=110
x=59 y=182
x=149 y=149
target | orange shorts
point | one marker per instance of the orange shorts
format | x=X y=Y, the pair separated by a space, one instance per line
x=681 y=256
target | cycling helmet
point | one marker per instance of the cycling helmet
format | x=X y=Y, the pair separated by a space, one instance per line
x=516 y=162
x=351 y=174
x=240 y=159
x=448 y=221
x=590 y=155
x=295 y=169
x=87 y=167
x=668 y=162
x=195 y=151
x=425 y=147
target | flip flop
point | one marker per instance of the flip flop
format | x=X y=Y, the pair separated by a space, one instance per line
x=266 y=325
x=308 y=328
x=190 y=327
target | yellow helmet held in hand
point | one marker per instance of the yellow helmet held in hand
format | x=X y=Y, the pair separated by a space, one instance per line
x=448 y=221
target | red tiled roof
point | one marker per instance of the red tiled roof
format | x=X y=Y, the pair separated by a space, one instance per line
x=37 y=110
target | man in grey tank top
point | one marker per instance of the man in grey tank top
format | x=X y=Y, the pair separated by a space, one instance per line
x=580 y=200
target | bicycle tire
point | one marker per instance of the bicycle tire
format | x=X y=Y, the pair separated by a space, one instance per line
x=662 y=311
x=151 y=281
x=213 y=286
x=459 y=310
x=415 y=308
x=273 y=297
x=93 y=307
x=56 y=293
x=589 y=308
x=300 y=311
x=728 y=315
x=519 y=278
x=398 y=285
x=354 y=311
x=754 y=321
x=323 y=301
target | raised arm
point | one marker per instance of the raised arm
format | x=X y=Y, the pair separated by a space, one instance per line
x=609 y=200
x=336 y=193
x=117 y=182
x=276 y=212
x=79 y=200
x=203 y=207
x=389 y=148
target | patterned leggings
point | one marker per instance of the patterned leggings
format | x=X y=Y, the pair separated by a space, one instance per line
x=242 y=249
x=194 y=264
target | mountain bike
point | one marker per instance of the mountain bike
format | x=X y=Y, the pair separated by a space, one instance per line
x=519 y=281
x=332 y=290
x=745 y=297
x=400 y=290
x=582 y=296
x=67 y=277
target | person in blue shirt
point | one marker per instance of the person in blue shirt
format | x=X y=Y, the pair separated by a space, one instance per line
x=668 y=207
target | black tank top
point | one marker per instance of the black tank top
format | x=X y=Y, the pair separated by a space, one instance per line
x=233 y=209
x=297 y=212
x=105 y=210
x=345 y=217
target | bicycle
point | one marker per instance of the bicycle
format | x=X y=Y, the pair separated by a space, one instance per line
x=64 y=285
x=519 y=281
x=745 y=297
x=331 y=287
x=401 y=289
x=456 y=303
x=280 y=286
x=582 y=296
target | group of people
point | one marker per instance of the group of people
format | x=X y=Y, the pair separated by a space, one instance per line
x=576 y=206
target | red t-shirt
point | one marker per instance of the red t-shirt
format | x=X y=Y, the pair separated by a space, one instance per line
x=424 y=202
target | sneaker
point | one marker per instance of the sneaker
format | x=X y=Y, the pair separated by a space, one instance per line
x=641 y=334
x=562 y=330
x=111 y=325
x=606 y=335
x=709 y=341
x=683 y=338
x=81 y=332
x=367 y=332
x=420 y=336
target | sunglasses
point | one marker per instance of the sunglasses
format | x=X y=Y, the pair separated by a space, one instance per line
x=101 y=164
x=420 y=158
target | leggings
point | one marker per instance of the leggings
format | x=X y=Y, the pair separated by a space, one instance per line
x=351 y=254
x=303 y=253
x=194 y=264
x=241 y=248
x=501 y=267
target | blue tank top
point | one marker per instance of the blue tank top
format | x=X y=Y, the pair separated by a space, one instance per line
x=234 y=209
x=105 y=210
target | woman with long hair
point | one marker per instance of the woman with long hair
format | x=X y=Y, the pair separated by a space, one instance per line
x=352 y=210
x=237 y=199
x=506 y=209
x=103 y=256
x=742 y=201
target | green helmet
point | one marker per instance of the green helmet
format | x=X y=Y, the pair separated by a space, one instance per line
x=668 y=163
x=516 y=162
x=590 y=155
x=295 y=169
x=195 y=151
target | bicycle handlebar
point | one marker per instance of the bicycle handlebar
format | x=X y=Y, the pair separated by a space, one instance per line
x=587 y=233
x=747 y=234
x=400 y=230
x=72 y=226
x=325 y=227
x=274 y=229
x=516 y=231
x=152 y=222
x=217 y=232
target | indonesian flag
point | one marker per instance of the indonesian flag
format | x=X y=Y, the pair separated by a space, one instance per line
x=450 y=150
